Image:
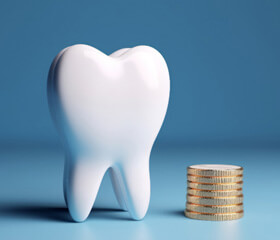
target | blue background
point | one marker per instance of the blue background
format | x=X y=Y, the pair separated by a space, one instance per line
x=223 y=58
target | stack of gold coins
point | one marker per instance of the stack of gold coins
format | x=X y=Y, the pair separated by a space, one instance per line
x=214 y=192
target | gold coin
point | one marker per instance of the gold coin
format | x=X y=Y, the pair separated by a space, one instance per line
x=214 y=193
x=212 y=179
x=214 y=216
x=215 y=200
x=214 y=208
x=215 y=186
x=215 y=170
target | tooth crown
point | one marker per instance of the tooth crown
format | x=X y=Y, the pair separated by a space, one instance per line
x=108 y=111
x=126 y=109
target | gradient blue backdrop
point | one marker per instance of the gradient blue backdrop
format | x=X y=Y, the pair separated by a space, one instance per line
x=223 y=58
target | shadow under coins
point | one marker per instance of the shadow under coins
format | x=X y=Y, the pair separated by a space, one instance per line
x=176 y=213
x=170 y=213
x=59 y=214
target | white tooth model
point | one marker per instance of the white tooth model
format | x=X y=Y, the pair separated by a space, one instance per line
x=108 y=111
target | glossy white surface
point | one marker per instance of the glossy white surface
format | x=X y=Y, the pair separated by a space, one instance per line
x=108 y=111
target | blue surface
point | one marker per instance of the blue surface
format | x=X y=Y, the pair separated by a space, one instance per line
x=223 y=58
x=32 y=206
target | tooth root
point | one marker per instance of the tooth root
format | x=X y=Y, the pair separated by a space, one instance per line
x=119 y=193
x=135 y=186
x=82 y=179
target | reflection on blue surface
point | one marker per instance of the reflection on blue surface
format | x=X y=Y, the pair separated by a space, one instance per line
x=32 y=206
